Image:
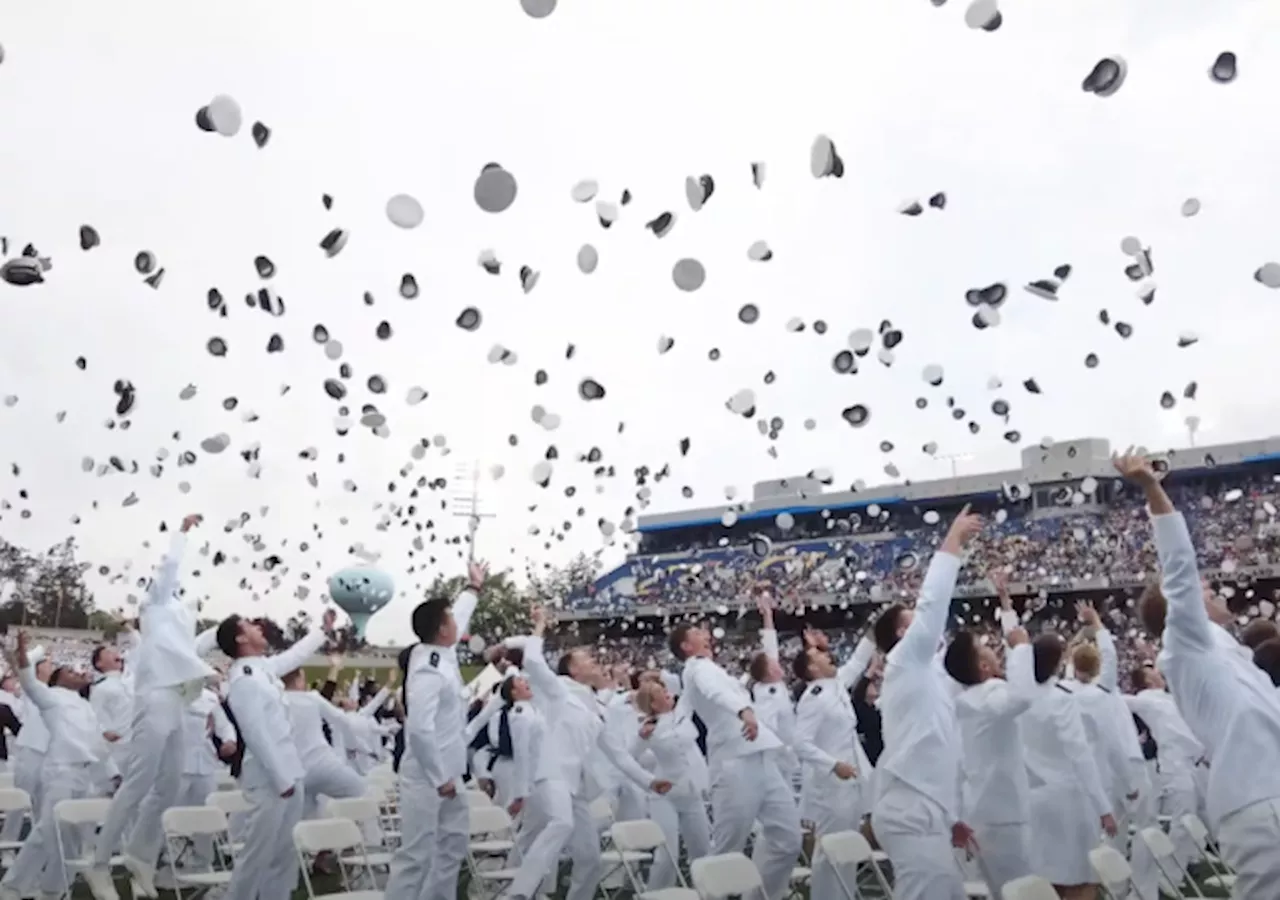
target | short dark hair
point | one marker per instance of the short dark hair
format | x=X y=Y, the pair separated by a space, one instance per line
x=885 y=628
x=676 y=639
x=97 y=656
x=800 y=665
x=1047 y=650
x=961 y=658
x=515 y=656
x=565 y=662
x=505 y=690
x=1266 y=656
x=1138 y=678
x=228 y=631
x=1259 y=632
x=428 y=618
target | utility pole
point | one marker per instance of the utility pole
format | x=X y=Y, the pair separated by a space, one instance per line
x=464 y=500
x=954 y=458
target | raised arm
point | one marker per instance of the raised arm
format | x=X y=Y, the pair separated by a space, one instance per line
x=1187 y=624
x=375 y=703
x=165 y=581
x=919 y=645
x=464 y=605
x=297 y=655
x=768 y=633
x=39 y=692
x=854 y=667
x=482 y=719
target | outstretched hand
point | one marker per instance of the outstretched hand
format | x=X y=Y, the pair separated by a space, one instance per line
x=963 y=529
x=191 y=521
x=1134 y=467
x=477 y=572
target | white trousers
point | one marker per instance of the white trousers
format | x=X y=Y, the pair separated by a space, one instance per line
x=750 y=789
x=268 y=865
x=913 y=831
x=834 y=806
x=328 y=776
x=1250 y=843
x=433 y=843
x=27 y=765
x=38 y=864
x=557 y=819
x=1003 y=853
x=1178 y=797
x=1140 y=813
x=150 y=781
x=682 y=815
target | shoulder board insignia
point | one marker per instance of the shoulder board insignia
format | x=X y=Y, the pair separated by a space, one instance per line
x=248 y=670
x=435 y=658
x=1104 y=690
x=519 y=709
x=773 y=689
x=1062 y=687
x=815 y=690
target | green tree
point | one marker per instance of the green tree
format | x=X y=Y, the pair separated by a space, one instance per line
x=57 y=596
x=552 y=586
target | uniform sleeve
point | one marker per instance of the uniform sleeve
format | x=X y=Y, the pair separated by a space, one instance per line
x=222 y=727
x=546 y=684
x=810 y=713
x=613 y=748
x=855 y=665
x=482 y=719
x=297 y=655
x=464 y=607
x=920 y=644
x=769 y=643
x=1187 y=621
x=425 y=684
x=1021 y=690
x=337 y=720
x=40 y=693
x=1109 y=676
x=375 y=703
x=165 y=581
x=521 y=753
x=249 y=699
x=113 y=709
x=207 y=641
x=716 y=690
x=1071 y=732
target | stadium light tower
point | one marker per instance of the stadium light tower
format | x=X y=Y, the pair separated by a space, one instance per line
x=464 y=501
x=954 y=458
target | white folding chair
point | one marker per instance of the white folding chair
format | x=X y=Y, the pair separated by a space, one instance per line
x=1114 y=872
x=491 y=837
x=183 y=826
x=236 y=806
x=850 y=850
x=478 y=799
x=1222 y=876
x=6 y=780
x=79 y=815
x=14 y=802
x=343 y=839
x=1172 y=873
x=360 y=810
x=1029 y=887
x=725 y=875
x=645 y=838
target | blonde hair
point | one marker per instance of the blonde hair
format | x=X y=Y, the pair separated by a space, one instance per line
x=1087 y=662
x=646 y=694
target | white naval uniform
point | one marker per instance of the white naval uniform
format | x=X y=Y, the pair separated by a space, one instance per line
x=827 y=733
x=681 y=812
x=918 y=774
x=434 y=832
x=995 y=795
x=773 y=706
x=167 y=675
x=628 y=801
x=112 y=700
x=28 y=761
x=513 y=776
x=76 y=751
x=557 y=812
x=1235 y=716
x=1179 y=755
x=327 y=774
x=746 y=784
x=1068 y=793
x=200 y=764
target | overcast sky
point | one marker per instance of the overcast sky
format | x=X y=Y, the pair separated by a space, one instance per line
x=409 y=97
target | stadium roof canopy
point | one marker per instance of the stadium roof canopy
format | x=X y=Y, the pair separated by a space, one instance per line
x=1063 y=461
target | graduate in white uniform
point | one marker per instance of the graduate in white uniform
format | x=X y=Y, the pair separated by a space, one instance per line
x=29 y=747
x=916 y=817
x=327 y=773
x=9 y=691
x=271 y=773
x=76 y=750
x=517 y=734
x=837 y=771
x=1234 y=715
x=111 y=697
x=995 y=797
x=557 y=810
x=669 y=741
x=771 y=699
x=167 y=675
x=747 y=785
x=1070 y=805
x=204 y=719
x=433 y=804
x=628 y=800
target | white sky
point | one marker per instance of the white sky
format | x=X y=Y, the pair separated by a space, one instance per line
x=416 y=97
